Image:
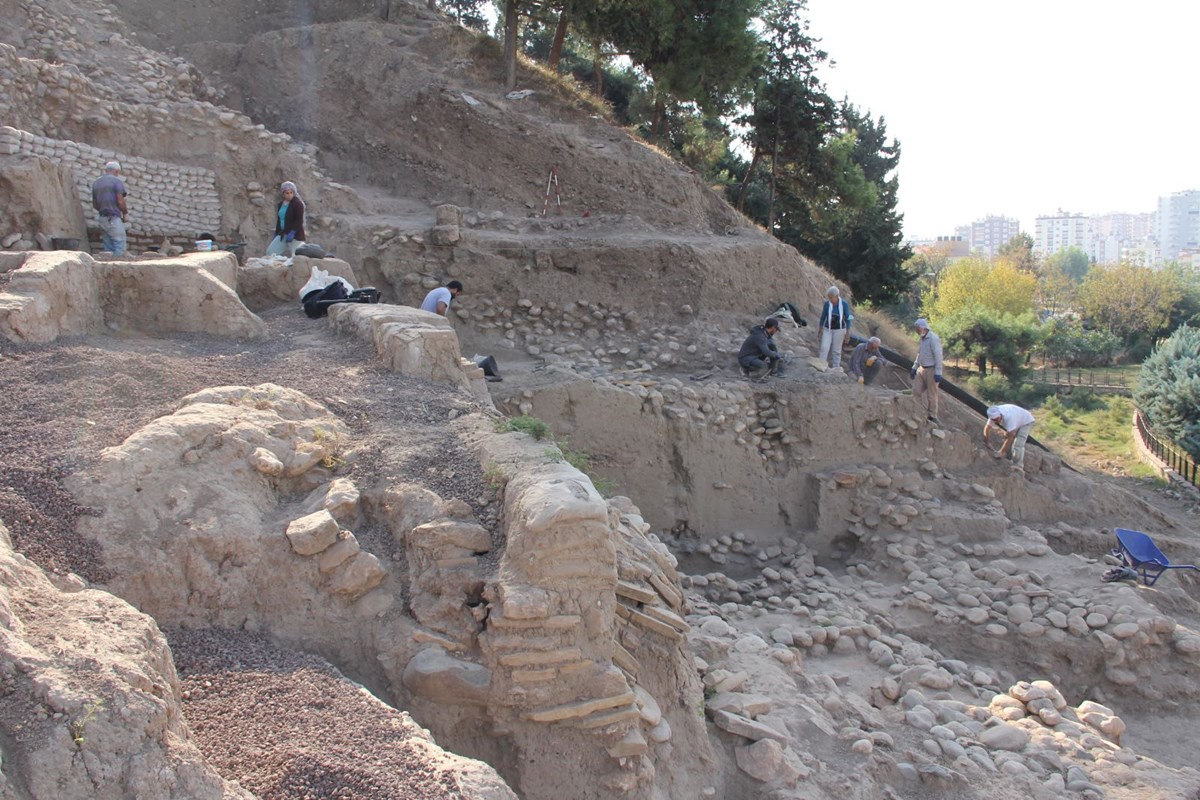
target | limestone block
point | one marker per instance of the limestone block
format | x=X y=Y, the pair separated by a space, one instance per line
x=313 y=533
x=444 y=234
x=266 y=462
x=345 y=547
x=175 y=296
x=446 y=538
x=747 y=705
x=523 y=602
x=631 y=744
x=340 y=497
x=40 y=198
x=449 y=214
x=360 y=573
x=438 y=676
x=746 y=728
x=51 y=295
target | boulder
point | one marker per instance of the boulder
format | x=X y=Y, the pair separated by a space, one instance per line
x=436 y=675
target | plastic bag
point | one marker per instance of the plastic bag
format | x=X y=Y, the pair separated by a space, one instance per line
x=319 y=279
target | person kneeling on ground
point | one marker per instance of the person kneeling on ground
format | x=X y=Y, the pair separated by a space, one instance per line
x=866 y=361
x=759 y=356
x=1016 y=423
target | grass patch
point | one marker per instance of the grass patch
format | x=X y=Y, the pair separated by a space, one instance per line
x=560 y=450
x=525 y=424
x=1092 y=429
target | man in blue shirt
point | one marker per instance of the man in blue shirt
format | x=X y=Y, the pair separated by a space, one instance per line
x=108 y=198
x=438 y=300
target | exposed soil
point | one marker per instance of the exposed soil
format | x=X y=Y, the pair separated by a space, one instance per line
x=286 y=725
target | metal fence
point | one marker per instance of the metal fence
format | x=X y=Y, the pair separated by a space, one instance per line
x=1168 y=452
x=1104 y=382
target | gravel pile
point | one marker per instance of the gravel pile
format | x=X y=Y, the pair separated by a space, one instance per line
x=288 y=726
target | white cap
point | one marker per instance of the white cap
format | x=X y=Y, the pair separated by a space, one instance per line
x=921 y=323
x=993 y=413
x=111 y=165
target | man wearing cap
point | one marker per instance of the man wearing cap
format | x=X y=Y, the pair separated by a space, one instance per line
x=866 y=361
x=926 y=371
x=1015 y=423
x=108 y=198
x=759 y=356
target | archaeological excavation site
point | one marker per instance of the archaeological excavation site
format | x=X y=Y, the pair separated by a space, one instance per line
x=246 y=553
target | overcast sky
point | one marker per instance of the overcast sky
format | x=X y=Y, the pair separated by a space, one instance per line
x=1023 y=107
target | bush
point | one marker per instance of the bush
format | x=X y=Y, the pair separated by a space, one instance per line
x=524 y=424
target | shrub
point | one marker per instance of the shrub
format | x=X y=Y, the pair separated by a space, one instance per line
x=1168 y=390
x=524 y=424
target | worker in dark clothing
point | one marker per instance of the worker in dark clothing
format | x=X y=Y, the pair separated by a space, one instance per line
x=759 y=357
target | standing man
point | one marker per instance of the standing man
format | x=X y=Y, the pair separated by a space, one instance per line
x=108 y=198
x=1015 y=423
x=438 y=300
x=759 y=356
x=866 y=361
x=926 y=371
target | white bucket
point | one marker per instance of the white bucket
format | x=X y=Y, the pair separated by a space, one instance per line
x=204 y=245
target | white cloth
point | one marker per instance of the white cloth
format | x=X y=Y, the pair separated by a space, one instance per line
x=319 y=279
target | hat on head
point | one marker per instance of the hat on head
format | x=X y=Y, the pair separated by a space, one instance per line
x=921 y=323
x=112 y=165
x=993 y=412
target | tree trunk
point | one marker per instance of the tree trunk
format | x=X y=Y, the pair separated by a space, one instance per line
x=741 y=204
x=560 y=33
x=774 y=172
x=510 y=44
x=660 y=117
x=432 y=5
x=598 y=68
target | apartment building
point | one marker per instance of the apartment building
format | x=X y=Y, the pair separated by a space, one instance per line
x=986 y=236
x=1060 y=231
x=1178 y=229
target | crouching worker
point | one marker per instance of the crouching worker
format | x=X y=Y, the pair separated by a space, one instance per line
x=759 y=357
x=1015 y=423
x=324 y=290
x=866 y=361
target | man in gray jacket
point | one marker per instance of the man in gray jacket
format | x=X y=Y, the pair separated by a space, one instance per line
x=926 y=371
x=759 y=356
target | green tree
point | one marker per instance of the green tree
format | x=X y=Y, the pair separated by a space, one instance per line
x=1168 y=392
x=1130 y=301
x=1019 y=252
x=987 y=336
x=1071 y=262
x=998 y=286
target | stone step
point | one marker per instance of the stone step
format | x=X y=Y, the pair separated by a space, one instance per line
x=582 y=708
x=554 y=640
x=536 y=658
x=625 y=660
x=602 y=719
x=669 y=617
x=669 y=593
x=560 y=622
x=628 y=615
x=637 y=593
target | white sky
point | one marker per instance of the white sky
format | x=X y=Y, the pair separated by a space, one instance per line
x=1023 y=107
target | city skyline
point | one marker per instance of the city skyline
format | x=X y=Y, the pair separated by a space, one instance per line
x=1022 y=111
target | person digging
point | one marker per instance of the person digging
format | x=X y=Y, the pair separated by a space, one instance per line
x=759 y=357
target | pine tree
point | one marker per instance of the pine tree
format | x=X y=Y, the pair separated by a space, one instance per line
x=1168 y=392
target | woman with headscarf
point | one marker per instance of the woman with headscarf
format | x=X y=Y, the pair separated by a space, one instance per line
x=289 y=222
x=834 y=322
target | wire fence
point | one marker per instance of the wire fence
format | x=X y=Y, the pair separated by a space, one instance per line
x=1168 y=452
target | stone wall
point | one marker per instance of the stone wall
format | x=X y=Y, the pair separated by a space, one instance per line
x=164 y=199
